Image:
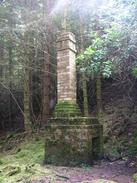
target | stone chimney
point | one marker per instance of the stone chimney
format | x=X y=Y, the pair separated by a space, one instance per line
x=66 y=69
x=71 y=140
x=66 y=75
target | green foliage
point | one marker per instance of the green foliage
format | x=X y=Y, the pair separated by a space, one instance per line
x=97 y=58
x=134 y=71
x=114 y=38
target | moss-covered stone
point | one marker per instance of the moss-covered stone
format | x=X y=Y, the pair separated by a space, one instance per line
x=67 y=109
x=74 y=121
x=73 y=141
x=65 y=154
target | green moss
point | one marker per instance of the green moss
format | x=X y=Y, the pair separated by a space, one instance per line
x=67 y=109
x=24 y=163
x=1 y=162
x=134 y=177
x=22 y=173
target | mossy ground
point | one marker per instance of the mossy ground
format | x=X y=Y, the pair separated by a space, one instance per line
x=24 y=162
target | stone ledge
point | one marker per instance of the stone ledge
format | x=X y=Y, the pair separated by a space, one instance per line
x=75 y=120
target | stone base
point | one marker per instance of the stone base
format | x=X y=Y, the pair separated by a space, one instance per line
x=73 y=141
x=67 y=109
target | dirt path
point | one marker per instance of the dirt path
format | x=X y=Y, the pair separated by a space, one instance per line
x=115 y=171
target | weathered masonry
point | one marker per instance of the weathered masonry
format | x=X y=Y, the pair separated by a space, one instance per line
x=70 y=138
x=66 y=70
x=66 y=76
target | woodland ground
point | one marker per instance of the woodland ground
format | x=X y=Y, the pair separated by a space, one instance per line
x=102 y=172
x=22 y=162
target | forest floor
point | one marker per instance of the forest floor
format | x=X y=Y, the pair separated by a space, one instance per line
x=22 y=163
x=101 y=172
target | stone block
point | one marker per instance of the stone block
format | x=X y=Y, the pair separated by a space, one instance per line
x=73 y=141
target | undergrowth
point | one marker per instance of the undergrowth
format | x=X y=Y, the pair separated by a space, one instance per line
x=24 y=162
x=133 y=146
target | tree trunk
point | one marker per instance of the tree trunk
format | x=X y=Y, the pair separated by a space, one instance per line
x=99 y=95
x=27 y=121
x=10 y=51
x=29 y=56
x=10 y=82
x=26 y=102
x=85 y=95
x=46 y=92
x=84 y=82
x=1 y=57
x=47 y=63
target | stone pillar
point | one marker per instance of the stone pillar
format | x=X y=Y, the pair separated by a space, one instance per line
x=66 y=76
x=71 y=140
x=66 y=69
